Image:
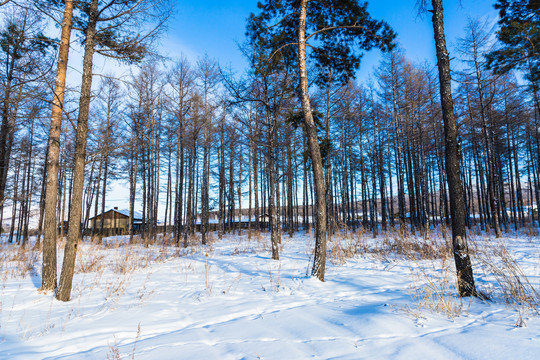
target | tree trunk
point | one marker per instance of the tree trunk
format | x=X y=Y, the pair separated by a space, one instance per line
x=310 y=128
x=239 y=190
x=103 y=197
x=179 y=178
x=272 y=208
x=256 y=182
x=457 y=207
x=132 y=188
x=53 y=155
x=221 y=199
x=96 y=202
x=42 y=200
x=70 y=252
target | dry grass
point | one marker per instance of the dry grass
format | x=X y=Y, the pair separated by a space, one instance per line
x=433 y=271
x=497 y=265
x=399 y=244
x=207 y=280
x=114 y=352
x=345 y=246
x=433 y=289
x=17 y=261
x=414 y=248
x=274 y=275
x=429 y=246
x=531 y=232
x=433 y=285
x=259 y=242
x=114 y=288
x=135 y=342
x=90 y=260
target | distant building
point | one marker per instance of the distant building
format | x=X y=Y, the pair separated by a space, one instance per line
x=265 y=219
x=115 y=222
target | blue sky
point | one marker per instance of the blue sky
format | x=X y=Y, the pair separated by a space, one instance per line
x=215 y=27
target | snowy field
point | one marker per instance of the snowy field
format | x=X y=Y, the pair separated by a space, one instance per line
x=387 y=298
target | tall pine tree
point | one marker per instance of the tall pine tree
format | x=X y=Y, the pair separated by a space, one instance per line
x=327 y=35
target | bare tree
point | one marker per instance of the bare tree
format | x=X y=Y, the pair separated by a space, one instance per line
x=453 y=172
x=207 y=75
x=181 y=82
x=109 y=30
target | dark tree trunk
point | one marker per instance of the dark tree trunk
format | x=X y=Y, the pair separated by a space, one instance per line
x=103 y=198
x=272 y=208
x=132 y=189
x=42 y=200
x=457 y=207
x=96 y=202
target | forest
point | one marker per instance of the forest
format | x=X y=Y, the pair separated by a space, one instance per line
x=410 y=193
x=293 y=144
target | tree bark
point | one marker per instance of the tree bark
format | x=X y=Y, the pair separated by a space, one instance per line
x=103 y=196
x=70 y=252
x=310 y=129
x=457 y=207
x=53 y=155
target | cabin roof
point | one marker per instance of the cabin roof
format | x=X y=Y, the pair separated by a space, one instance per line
x=125 y=212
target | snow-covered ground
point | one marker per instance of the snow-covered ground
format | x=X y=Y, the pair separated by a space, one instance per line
x=230 y=300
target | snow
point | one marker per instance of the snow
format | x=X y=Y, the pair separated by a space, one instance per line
x=230 y=300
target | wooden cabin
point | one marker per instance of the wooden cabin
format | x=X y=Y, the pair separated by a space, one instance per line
x=115 y=222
